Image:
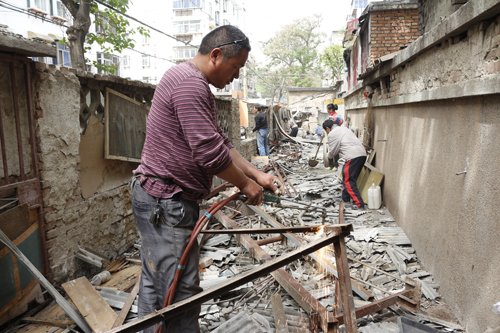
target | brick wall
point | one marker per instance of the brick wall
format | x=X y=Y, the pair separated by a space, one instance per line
x=391 y=29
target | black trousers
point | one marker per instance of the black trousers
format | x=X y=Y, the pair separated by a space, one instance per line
x=334 y=162
x=351 y=171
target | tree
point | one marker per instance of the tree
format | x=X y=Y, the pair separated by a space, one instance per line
x=114 y=35
x=332 y=59
x=293 y=52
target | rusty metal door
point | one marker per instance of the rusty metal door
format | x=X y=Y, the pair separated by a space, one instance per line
x=21 y=211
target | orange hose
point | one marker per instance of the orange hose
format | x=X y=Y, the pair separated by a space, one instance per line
x=185 y=256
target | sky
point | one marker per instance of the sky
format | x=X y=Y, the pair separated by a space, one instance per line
x=265 y=17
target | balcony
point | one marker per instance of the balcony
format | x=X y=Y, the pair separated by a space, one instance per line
x=185 y=37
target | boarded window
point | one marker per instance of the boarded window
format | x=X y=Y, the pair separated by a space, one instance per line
x=125 y=127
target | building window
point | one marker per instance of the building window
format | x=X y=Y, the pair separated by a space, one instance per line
x=145 y=60
x=179 y=4
x=217 y=17
x=185 y=27
x=145 y=39
x=146 y=79
x=41 y=6
x=360 y=4
x=185 y=52
x=126 y=61
x=224 y=5
x=210 y=9
x=63 y=55
x=226 y=22
x=107 y=60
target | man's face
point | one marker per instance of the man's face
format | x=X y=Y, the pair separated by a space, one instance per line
x=226 y=71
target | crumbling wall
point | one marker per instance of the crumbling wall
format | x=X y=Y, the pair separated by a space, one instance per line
x=104 y=221
x=471 y=56
x=441 y=116
x=431 y=13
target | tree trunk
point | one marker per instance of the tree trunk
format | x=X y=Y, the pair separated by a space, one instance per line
x=77 y=32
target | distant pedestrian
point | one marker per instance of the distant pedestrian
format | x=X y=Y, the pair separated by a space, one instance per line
x=262 y=132
x=343 y=140
x=295 y=129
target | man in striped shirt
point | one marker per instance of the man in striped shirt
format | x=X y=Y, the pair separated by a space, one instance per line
x=184 y=149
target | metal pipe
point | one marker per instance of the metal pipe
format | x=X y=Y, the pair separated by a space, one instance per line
x=18 y=121
x=4 y=151
x=270 y=240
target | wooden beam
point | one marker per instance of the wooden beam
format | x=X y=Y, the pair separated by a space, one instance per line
x=330 y=268
x=264 y=230
x=265 y=268
x=128 y=304
x=300 y=294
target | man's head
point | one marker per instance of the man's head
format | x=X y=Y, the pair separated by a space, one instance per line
x=285 y=120
x=223 y=51
x=257 y=108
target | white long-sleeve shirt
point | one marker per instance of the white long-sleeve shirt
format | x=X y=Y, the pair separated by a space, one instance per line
x=343 y=140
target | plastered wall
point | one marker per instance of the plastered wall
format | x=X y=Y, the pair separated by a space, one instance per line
x=452 y=220
x=439 y=116
x=104 y=221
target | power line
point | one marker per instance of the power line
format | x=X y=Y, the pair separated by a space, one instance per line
x=144 y=24
x=150 y=55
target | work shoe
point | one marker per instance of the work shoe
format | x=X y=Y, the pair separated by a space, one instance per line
x=330 y=168
x=334 y=169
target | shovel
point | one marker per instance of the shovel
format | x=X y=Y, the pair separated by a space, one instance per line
x=313 y=162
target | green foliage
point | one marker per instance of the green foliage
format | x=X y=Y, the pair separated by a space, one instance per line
x=333 y=61
x=115 y=31
x=293 y=52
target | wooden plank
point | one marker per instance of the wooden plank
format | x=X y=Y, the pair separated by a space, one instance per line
x=279 y=314
x=230 y=284
x=128 y=304
x=50 y=322
x=345 y=286
x=97 y=313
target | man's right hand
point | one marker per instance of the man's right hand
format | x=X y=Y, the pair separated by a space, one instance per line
x=253 y=192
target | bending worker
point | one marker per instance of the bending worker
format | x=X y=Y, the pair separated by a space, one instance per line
x=262 y=131
x=184 y=148
x=343 y=140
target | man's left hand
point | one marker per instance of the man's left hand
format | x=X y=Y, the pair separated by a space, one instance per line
x=271 y=182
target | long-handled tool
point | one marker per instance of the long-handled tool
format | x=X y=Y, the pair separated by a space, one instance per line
x=313 y=162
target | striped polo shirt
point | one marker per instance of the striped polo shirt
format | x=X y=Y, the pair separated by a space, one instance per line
x=184 y=142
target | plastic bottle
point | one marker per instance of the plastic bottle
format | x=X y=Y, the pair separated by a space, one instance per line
x=374 y=197
x=101 y=278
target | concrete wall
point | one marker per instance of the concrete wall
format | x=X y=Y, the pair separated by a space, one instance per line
x=431 y=13
x=452 y=220
x=441 y=112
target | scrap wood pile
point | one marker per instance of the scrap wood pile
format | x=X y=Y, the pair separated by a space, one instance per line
x=379 y=254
